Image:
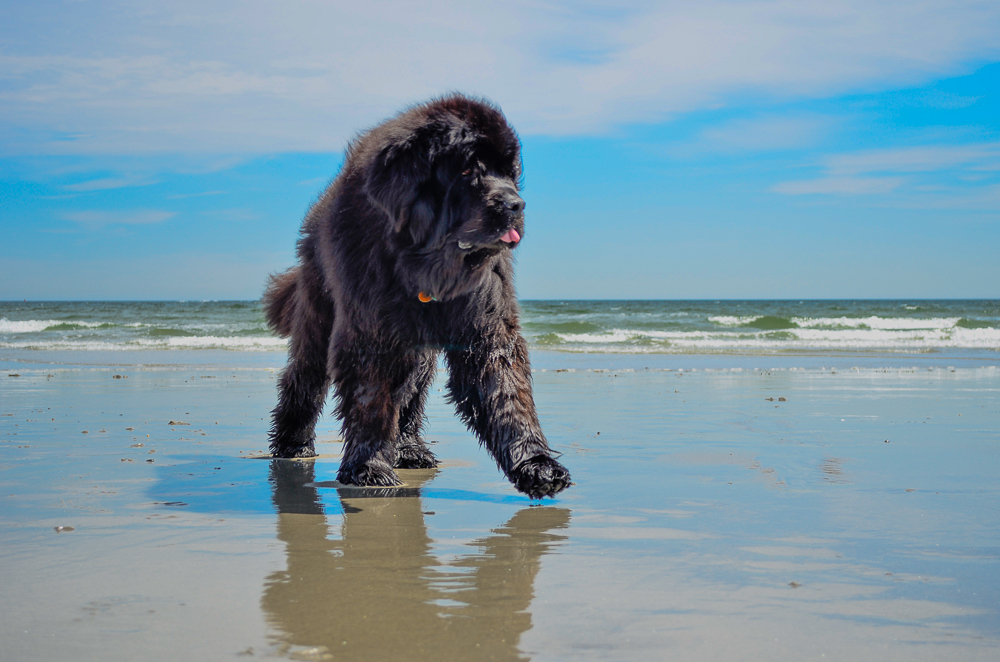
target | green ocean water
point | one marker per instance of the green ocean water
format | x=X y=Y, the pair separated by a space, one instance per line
x=617 y=327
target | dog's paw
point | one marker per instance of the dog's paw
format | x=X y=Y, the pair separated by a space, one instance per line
x=541 y=476
x=292 y=444
x=414 y=454
x=374 y=474
x=290 y=452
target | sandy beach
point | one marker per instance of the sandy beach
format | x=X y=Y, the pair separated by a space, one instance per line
x=785 y=514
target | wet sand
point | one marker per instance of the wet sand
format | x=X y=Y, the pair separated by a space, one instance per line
x=717 y=515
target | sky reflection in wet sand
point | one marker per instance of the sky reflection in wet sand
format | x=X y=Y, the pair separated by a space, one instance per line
x=857 y=518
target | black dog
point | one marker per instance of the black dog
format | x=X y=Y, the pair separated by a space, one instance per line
x=406 y=254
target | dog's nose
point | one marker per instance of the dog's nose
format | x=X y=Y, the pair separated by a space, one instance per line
x=513 y=202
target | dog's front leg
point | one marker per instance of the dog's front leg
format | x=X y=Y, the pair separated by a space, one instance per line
x=411 y=450
x=490 y=385
x=365 y=384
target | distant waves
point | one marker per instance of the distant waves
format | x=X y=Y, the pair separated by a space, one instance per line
x=686 y=327
x=144 y=325
x=631 y=327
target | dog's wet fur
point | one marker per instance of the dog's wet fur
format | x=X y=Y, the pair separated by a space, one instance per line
x=408 y=254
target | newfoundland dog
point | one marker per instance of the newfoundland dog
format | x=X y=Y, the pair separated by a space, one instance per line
x=408 y=254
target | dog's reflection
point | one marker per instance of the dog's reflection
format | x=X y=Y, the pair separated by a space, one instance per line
x=377 y=593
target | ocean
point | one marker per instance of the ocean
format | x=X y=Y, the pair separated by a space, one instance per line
x=953 y=327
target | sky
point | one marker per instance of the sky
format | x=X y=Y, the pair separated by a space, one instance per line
x=696 y=150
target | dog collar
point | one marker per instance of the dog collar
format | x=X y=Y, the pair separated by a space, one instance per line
x=425 y=298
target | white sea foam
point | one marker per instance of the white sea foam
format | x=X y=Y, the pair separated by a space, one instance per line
x=187 y=342
x=203 y=342
x=638 y=327
x=730 y=320
x=34 y=326
x=613 y=336
x=921 y=339
x=874 y=322
x=80 y=345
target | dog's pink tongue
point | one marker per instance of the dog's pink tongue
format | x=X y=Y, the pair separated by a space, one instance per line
x=512 y=237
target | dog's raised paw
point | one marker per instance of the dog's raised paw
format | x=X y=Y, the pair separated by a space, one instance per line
x=373 y=474
x=540 y=477
x=415 y=455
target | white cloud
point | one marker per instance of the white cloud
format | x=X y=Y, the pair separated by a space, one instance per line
x=765 y=134
x=924 y=158
x=188 y=275
x=202 y=194
x=106 y=183
x=236 y=215
x=939 y=99
x=95 y=220
x=940 y=176
x=840 y=185
x=211 y=76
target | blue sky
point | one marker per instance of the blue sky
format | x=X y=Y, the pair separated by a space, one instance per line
x=672 y=150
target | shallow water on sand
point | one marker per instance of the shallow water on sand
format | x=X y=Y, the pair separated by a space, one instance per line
x=753 y=514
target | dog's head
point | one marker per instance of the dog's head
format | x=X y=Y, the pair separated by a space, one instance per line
x=447 y=176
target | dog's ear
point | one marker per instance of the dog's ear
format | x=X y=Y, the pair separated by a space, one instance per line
x=394 y=177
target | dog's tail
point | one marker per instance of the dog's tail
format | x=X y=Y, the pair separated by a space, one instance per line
x=279 y=301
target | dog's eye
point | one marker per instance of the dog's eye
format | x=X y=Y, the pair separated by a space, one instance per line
x=467 y=172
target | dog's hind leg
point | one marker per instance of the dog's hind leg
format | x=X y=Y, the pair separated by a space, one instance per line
x=490 y=385
x=411 y=451
x=305 y=381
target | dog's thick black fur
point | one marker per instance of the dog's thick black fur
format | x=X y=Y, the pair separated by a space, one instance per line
x=407 y=254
